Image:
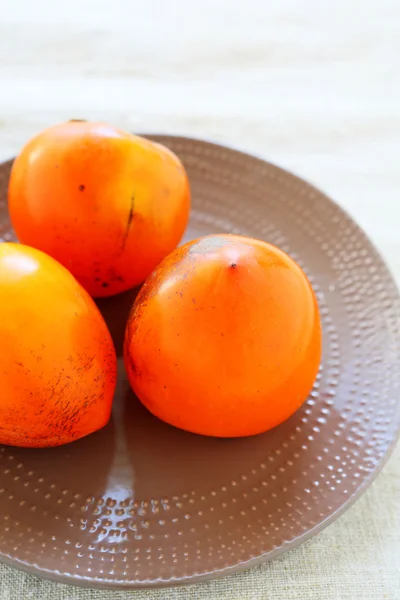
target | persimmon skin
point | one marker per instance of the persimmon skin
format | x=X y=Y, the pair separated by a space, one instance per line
x=224 y=338
x=106 y=204
x=57 y=359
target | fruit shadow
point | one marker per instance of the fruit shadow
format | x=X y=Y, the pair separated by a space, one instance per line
x=115 y=311
x=48 y=491
x=165 y=461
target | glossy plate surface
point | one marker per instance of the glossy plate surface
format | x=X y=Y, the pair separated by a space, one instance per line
x=143 y=504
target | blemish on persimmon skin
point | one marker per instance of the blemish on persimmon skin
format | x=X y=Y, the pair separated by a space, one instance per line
x=128 y=223
x=130 y=216
x=81 y=187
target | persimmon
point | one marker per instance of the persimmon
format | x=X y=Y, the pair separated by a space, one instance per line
x=224 y=338
x=57 y=359
x=106 y=204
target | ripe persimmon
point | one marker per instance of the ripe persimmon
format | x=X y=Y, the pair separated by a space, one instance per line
x=57 y=359
x=106 y=204
x=224 y=338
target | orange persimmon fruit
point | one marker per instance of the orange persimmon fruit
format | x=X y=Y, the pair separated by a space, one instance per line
x=106 y=204
x=57 y=359
x=224 y=338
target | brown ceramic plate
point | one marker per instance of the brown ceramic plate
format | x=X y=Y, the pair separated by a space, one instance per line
x=143 y=504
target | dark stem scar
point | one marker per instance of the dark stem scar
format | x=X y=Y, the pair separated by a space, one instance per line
x=81 y=187
x=233 y=265
x=128 y=223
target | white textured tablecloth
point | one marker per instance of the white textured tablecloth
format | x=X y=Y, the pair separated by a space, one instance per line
x=311 y=85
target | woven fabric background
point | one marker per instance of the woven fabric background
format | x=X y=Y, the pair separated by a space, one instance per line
x=312 y=86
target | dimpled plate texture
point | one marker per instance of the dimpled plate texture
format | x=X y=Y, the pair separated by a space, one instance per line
x=143 y=504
